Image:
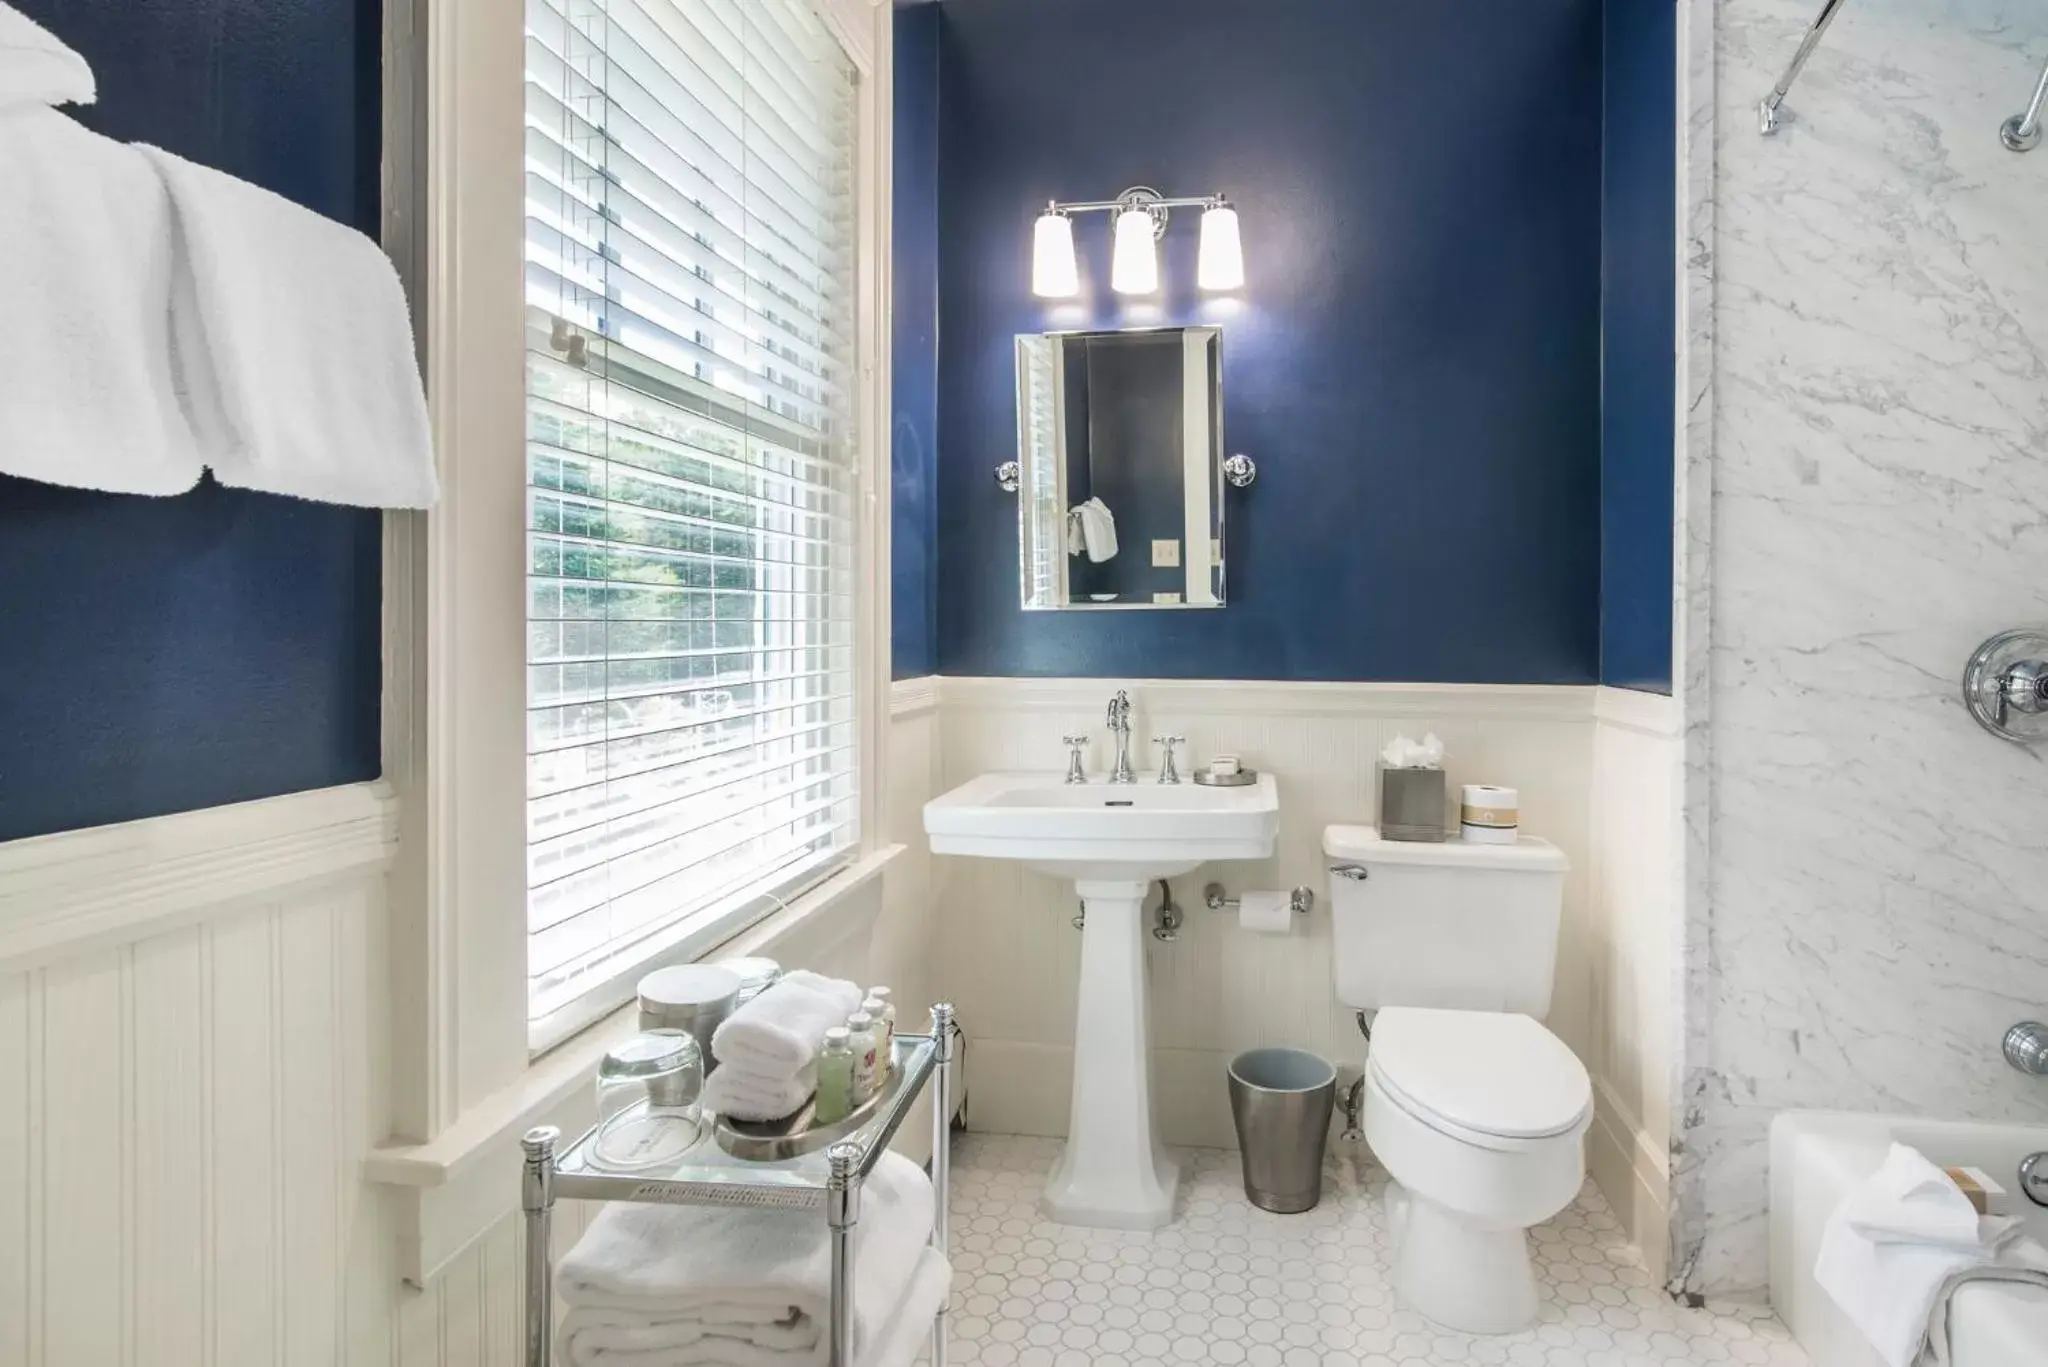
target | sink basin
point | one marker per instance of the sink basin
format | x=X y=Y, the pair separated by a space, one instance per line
x=1099 y=831
x=1112 y=841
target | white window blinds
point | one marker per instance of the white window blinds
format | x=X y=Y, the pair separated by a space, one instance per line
x=689 y=288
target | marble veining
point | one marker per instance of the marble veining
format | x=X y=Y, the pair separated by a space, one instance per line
x=1868 y=895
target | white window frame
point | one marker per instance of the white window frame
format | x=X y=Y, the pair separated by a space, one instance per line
x=455 y=593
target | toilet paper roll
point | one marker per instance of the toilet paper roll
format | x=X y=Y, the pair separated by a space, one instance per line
x=1489 y=815
x=1266 y=913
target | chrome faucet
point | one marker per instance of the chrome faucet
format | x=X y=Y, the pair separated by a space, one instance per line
x=1120 y=727
x=2026 y=1047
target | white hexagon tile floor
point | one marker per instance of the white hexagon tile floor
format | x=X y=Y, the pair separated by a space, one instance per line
x=1230 y=1284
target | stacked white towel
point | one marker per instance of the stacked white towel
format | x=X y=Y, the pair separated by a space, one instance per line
x=767 y=1051
x=747 y=1287
x=1893 y=1250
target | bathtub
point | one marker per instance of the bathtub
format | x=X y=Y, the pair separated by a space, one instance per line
x=1817 y=1156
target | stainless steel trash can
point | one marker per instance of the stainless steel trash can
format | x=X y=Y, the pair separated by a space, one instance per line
x=1281 y=1101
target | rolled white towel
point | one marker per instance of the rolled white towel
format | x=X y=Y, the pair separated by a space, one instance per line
x=735 y=1091
x=738 y=1285
x=777 y=1034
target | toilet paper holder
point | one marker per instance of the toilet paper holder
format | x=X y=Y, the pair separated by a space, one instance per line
x=1302 y=900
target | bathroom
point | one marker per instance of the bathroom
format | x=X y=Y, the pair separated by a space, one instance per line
x=1666 y=472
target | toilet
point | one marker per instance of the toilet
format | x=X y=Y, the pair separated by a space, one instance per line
x=1477 y=1112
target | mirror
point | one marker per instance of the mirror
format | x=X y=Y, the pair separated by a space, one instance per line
x=1120 y=451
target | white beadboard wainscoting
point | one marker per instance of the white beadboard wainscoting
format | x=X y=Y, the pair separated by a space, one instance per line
x=1629 y=968
x=1597 y=773
x=193 y=1076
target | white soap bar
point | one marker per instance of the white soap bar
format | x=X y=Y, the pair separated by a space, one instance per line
x=1225 y=766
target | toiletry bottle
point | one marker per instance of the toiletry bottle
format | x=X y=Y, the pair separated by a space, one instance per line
x=835 y=1078
x=885 y=1034
x=860 y=1028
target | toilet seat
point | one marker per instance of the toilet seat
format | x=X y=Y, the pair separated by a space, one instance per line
x=1494 y=1080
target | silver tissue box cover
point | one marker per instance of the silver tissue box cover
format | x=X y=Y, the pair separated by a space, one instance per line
x=1412 y=804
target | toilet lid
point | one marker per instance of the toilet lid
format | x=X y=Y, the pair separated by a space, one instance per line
x=1493 y=1073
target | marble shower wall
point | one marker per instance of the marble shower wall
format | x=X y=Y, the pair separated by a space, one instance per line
x=1869 y=903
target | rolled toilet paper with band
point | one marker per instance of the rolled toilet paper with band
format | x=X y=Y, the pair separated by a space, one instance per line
x=1488 y=815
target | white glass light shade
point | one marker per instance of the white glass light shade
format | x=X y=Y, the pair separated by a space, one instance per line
x=1053 y=272
x=1134 y=264
x=1219 y=265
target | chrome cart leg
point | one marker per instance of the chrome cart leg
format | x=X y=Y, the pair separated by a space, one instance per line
x=942 y=1151
x=537 y=1199
x=842 y=1213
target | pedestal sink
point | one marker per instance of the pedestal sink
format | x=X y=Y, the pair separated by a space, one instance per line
x=1112 y=841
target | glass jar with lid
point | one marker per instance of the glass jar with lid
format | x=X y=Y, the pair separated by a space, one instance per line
x=649 y=1107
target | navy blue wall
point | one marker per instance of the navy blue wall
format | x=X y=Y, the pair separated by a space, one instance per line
x=158 y=655
x=1416 y=361
x=1639 y=335
x=915 y=437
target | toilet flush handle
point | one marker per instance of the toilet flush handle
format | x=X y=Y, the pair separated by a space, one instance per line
x=1357 y=873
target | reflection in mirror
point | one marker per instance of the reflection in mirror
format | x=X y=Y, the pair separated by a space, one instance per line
x=1120 y=436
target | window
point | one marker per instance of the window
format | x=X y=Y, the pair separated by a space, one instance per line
x=689 y=247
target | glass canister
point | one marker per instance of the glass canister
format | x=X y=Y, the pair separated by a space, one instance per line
x=692 y=997
x=649 y=1108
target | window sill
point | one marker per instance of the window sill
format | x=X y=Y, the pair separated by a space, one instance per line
x=456 y=1186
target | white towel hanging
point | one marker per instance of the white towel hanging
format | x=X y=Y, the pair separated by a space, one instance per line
x=36 y=68
x=304 y=379
x=89 y=392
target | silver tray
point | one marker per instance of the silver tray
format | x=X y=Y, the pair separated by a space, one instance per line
x=1243 y=778
x=765 y=1141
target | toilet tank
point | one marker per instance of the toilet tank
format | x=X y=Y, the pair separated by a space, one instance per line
x=1453 y=925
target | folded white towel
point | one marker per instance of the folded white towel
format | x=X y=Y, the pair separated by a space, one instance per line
x=315 y=391
x=1098 y=530
x=777 y=1034
x=1892 y=1244
x=612 y=1338
x=36 y=68
x=89 y=393
x=739 y=1284
x=745 y=1095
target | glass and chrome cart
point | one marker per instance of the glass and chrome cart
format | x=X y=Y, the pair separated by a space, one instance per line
x=826 y=1178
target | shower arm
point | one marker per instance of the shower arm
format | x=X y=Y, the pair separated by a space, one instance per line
x=2022 y=132
x=1767 y=112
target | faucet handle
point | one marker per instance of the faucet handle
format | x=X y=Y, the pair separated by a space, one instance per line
x=1167 y=772
x=1075 y=745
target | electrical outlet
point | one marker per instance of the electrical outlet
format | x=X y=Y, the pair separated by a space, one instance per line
x=1165 y=555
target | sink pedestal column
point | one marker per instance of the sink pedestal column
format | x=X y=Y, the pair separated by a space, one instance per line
x=1114 y=1173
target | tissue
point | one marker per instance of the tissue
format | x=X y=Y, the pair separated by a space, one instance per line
x=1403 y=753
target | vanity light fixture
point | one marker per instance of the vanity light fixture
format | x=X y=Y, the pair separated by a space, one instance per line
x=1134 y=260
x=1219 y=263
x=1053 y=272
x=1138 y=220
